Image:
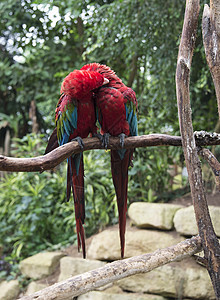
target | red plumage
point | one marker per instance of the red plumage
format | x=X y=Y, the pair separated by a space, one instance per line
x=75 y=117
x=113 y=103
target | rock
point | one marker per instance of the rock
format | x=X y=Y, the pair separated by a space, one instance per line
x=153 y=215
x=185 y=223
x=35 y=287
x=172 y=281
x=105 y=245
x=124 y=296
x=198 y=284
x=71 y=266
x=9 y=290
x=41 y=264
x=113 y=289
x=159 y=281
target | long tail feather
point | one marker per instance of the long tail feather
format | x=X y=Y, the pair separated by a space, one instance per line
x=69 y=180
x=119 y=169
x=75 y=179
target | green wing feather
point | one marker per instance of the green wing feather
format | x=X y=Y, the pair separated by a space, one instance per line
x=131 y=117
x=66 y=119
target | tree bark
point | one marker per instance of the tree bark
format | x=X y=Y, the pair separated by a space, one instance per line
x=7 y=142
x=210 y=242
x=80 y=30
x=55 y=157
x=116 y=270
x=133 y=70
x=33 y=116
x=211 y=41
x=213 y=163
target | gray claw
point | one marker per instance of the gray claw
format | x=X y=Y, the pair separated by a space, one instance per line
x=105 y=140
x=122 y=137
x=80 y=141
x=99 y=136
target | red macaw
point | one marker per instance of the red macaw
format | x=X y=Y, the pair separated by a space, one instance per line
x=75 y=119
x=117 y=114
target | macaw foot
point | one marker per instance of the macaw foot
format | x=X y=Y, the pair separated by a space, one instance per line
x=99 y=136
x=122 y=137
x=80 y=141
x=105 y=140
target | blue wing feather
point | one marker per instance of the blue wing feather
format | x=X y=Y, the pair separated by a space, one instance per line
x=131 y=117
x=65 y=139
x=74 y=118
x=66 y=120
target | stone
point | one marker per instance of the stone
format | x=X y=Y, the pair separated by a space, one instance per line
x=185 y=222
x=105 y=245
x=159 y=281
x=123 y=296
x=40 y=265
x=172 y=281
x=153 y=215
x=9 y=290
x=35 y=287
x=71 y=266
x=198 y=284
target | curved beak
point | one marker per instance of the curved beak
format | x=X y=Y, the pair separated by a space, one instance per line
x=105 y=81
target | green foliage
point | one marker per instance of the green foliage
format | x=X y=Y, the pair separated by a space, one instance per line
x=33 y=212
x=151 y=179
x=101 y=205
x=40 y=44
x=139 y=39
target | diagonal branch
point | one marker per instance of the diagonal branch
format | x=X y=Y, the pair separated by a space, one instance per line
x=209 y=240
x=116 y=270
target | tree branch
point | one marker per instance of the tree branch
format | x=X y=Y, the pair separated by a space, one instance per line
x=55 y=157
x=209 y=240
x=214 y=164
x=116 y=270
x=211 y=41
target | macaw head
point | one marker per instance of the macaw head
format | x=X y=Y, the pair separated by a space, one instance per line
x=82 y=82
x=102 y=69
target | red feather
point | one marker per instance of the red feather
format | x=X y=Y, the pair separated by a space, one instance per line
x=110 y=101
x=119 y=169
x=76 y=92
x=76 y=181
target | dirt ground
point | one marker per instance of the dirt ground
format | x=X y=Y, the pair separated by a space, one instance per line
x=186 y=200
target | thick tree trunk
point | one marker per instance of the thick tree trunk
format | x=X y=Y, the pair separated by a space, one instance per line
x=133 y=70
x=7 y=142
x=33 y=117
x=210 y=242
x=211 y=41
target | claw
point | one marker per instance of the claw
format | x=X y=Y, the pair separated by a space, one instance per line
x=99 y=136
x=122 y=137
x=80 y=141
x=105 y=140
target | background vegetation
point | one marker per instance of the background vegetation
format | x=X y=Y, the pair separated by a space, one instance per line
x=41 y=42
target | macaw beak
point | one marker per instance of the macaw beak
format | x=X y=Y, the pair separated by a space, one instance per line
x=105 y=81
